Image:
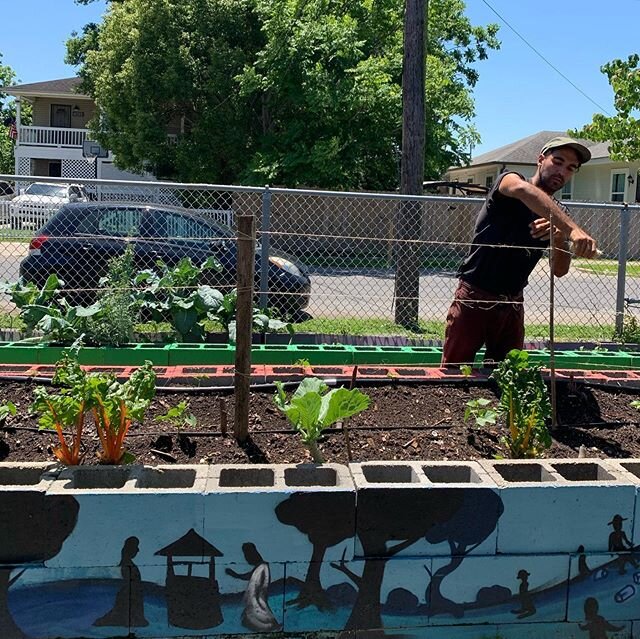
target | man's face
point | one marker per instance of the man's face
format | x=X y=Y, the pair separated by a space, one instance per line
x=556 y=168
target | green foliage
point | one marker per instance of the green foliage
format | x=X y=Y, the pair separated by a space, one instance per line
x=630 y=330
x=179 y=415
x=114 y=324
x=174 y=294
x=482 y=411
x=113 y=405
x=524 y=404
x=275 y=91
x=7 y=410
x=621 y=129
x=635 y=404
x=311 y=409
x=466 y=370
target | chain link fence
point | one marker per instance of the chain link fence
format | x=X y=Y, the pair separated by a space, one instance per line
x=345 y=244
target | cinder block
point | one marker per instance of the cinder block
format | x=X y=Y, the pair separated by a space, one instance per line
x=499 y=590
x=24 y=513
x=553 y=506
x=291 y=513
x=160 y=506
x=631 y=469
x=74 y=603
x=564 y=630
x=420 y=508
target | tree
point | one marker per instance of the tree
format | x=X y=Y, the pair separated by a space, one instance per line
x=7 y=116
x=332 y=524
x=621 y=129
x=277 y=91
x=35 y=526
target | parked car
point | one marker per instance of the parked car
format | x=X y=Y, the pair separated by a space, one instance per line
x=40 y=200
x=80 y=239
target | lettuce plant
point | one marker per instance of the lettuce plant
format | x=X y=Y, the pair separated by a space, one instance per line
x=313 y=407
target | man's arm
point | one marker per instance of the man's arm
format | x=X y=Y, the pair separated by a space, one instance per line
x=512 y=185
x=540 y=229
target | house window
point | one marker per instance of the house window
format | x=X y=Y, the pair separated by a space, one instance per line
x=488 y=181
x=618 y=185
x=567 y=191
x=61 y=115
x=470 y=180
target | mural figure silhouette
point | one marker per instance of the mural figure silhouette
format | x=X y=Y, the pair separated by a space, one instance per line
x=527 y=607
x=618 y=542
x=128 y=609
x=583 y=568
x=256 y=614
x=596 y=625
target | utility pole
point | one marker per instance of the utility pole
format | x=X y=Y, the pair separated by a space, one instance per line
x=412 y=163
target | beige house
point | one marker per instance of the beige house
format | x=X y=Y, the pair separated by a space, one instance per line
x=57 y=143
x=601 y=180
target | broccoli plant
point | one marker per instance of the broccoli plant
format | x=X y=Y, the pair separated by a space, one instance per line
x=313 y=407
x=524 y=403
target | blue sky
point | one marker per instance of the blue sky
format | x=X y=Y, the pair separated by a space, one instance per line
x=517 y=95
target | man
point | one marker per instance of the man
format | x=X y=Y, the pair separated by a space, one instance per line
x=512 y=229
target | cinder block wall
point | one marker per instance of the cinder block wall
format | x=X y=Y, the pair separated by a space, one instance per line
x=542 y=548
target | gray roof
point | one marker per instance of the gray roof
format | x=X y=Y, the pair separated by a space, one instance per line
x=64 y=86
x=526 y=150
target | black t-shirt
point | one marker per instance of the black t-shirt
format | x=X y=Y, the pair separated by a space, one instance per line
x=502 y=221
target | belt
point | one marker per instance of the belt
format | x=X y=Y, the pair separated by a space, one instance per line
x=502 y=297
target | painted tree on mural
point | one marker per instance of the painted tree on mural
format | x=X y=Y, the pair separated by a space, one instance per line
x=34 y=527
x=406 y=516
x=467 y=529
x=333 y=522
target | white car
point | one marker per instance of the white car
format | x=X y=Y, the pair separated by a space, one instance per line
x=40 y=200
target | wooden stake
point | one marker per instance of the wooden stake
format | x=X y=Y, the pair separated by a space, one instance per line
x=244 y=321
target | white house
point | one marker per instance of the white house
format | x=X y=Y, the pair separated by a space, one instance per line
x=600 y=180
x=56 y=143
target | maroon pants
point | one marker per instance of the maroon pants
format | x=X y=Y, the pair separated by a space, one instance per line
x=477 y=317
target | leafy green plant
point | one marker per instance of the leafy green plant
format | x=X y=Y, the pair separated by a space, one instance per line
x=263 y=320
x=313 y=407
x=7 y=410
x=118 y=304
x=65 y=409
x=179 y=416
x=174 y=294
x=114 y=406
x=466 y=370
x=524 y=404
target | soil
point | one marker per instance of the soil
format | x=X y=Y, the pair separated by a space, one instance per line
x=403 y=422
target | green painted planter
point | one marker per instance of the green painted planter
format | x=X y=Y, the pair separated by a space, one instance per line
x=201 y=354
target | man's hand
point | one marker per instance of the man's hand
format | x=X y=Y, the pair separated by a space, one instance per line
x=583 y=244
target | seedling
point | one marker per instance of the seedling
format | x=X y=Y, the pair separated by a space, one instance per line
x=179 y=416
x=465 y=369
x=313 y=407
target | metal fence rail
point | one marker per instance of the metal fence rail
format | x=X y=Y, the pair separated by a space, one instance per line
x=348 y=242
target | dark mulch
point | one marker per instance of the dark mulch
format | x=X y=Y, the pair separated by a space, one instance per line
x=404 y=422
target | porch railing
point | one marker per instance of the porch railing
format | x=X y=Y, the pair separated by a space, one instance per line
x=51 y=136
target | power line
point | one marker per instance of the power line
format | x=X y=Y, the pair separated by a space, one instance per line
x=562 y=75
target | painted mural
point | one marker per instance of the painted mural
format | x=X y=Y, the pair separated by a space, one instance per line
x=302 y=570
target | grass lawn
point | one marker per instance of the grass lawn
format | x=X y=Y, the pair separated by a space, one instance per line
x=606 y=267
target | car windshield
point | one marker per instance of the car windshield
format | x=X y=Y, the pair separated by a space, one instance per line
x=50 y=190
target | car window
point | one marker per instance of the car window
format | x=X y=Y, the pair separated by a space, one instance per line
x=181 y=227
x=48 y=190
x=74 y=190
x=120 y=222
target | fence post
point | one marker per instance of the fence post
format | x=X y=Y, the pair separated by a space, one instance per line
x=265 y=237
x=244 y=324
x=623 y=249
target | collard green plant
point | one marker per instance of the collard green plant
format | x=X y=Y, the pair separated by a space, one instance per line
x=524 y=404
x=175 y=294
x=313 y=407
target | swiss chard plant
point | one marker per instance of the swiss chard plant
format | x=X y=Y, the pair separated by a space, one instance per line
x=114 y=407
x=524 y=405
x=313 y=407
